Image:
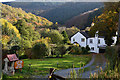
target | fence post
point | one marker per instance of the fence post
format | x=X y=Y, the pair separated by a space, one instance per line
x=50 y=77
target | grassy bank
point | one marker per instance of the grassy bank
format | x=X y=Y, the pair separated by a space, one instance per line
x=42 y=66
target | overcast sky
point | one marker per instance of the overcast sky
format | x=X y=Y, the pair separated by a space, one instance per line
x=60 y=0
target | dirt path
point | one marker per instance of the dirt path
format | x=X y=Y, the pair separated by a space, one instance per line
x=97 y=60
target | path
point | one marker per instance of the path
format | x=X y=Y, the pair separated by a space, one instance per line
x=97 y=60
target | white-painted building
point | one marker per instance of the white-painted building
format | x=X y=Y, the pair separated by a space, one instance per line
x=94 y=43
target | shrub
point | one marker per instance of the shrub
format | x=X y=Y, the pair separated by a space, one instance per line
x=75 y=50
x=85 y=50
x=60 y=50
x=14 y=49
x=39 y=50
x=23 y=57
x=112 y=55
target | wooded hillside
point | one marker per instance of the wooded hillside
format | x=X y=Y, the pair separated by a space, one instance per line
x=19 y=27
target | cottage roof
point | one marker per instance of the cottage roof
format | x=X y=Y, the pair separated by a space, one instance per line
x=85 y=34
x=12 y=57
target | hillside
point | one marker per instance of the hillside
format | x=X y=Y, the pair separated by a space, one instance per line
x=34 y=7
x=68 y=10
x=19 y=27
x=14 y=14
x=56 y=11
x=83 y=20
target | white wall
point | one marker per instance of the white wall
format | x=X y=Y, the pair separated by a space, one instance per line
x=91 y=44
x=102 y=42
x=115 y=40
x=95 y=44
x=77 y=38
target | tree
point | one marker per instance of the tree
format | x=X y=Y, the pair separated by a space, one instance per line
x=14 y=49
x=66 y=39
x=62 y=50
x=71 y=31
x=39 y=50
x=106 y=24
x=56 y=37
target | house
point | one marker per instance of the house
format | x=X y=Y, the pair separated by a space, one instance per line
x=95 y=44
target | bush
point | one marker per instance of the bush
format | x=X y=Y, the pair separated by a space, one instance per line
x=75 y=50
x=23 y=57
x=39 y=50
x=112 y=55
x=85 y=50
x=60 y=50
x=14 y=49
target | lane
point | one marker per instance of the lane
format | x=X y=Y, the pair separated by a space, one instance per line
x=97 y=60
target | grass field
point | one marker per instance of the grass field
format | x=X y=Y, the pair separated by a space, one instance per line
x=42 y=66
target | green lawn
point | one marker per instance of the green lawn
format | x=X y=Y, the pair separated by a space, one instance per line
x=42 y=66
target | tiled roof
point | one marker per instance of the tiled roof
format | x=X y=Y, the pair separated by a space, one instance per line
x=12 y=57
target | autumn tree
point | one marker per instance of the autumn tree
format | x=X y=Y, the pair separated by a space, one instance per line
x=106 y=23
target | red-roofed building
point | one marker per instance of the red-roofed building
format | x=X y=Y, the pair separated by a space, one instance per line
x=12 y=57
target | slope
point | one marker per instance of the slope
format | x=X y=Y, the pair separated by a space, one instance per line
x=83 y=20
x=68 y=10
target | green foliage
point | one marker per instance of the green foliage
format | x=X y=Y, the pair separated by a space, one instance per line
x=8 y=29
x=93 y=15
x=42 y=66
x=66 y=39
x=23 y=57
x=112 y=69
x=111 y=74
x=44 y=32
x=14 y=49
x=25 y=44
x=56 y=37
x=40 y=50
x=79 y=50
x=18 y=27
x=107 y=22
x=14 y=14
x=71 y=31
x=60 y=50
x=85 y=50
x=75 y=50
x=27 y=31
x=112 y=55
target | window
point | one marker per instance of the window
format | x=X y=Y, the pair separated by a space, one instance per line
x=91 y=41
x=82 y=39
x=92 y=48
x=73 y=39
x=98 y=41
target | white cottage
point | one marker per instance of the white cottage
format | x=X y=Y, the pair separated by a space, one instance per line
x=95 y=43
